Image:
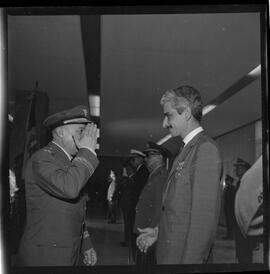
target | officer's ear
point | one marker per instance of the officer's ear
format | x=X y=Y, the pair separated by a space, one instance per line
x=59 y=132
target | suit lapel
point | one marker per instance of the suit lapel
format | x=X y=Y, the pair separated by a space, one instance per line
x=180 y=160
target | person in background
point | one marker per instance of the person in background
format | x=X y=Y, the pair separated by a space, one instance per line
x=192 y=197
x=148 y=209
x=111 y=194
x=229 y=197
x=124 y=199
x=249 y=213
x=139 y=178
x=55 y=232
x=243 y=248
x=241 y=166
x=13 y=223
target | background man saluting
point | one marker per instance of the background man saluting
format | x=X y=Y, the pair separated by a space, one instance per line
x=55 y=175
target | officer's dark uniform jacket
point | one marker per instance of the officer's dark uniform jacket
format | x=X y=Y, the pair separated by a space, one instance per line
x=148 y=209
x=139 y=180
x=55 y=207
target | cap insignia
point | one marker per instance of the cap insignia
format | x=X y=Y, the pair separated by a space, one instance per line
x=85 y=112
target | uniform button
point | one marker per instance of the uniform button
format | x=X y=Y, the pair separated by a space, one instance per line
x=54 y=245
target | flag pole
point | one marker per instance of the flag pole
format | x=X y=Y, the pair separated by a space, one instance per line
x=29 y=126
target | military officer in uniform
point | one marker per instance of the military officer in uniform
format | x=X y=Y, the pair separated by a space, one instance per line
x=229 y=197
x=148 y=209
x=55 y=234
x=138 y=181
x=124 y=201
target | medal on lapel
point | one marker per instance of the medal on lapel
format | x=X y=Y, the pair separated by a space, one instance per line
x=179 y=168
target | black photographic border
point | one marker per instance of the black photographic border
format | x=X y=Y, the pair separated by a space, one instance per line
x=259 y=6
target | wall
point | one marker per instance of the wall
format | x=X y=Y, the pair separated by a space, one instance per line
x=47 y=49
x=239 y=143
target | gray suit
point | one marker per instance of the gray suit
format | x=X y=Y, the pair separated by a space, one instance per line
x=191 y=204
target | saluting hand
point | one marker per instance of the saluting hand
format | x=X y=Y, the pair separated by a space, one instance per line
x=88 y=137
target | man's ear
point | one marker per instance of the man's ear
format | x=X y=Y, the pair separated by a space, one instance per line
x=188 y=114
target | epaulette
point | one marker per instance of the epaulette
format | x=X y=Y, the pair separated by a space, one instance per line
x=47 y=149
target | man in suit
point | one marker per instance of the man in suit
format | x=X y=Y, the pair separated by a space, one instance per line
x=229 y=197
x=148 y=209
x=191 y=200
x=55 y=234
x=139 y=178
x=124 y=201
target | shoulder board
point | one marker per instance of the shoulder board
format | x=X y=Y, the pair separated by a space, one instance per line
x=46 y=149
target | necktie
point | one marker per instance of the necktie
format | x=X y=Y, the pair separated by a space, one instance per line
x=182 y=144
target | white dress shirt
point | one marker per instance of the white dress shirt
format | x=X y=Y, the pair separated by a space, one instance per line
x=192 y=134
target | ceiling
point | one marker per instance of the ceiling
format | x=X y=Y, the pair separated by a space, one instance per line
x=141 y=57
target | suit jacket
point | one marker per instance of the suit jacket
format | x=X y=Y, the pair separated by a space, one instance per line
x=148 y=209
x=55 y=207
x=191 y=204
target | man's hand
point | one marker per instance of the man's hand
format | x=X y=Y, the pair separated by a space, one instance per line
x=90 y=257
x=147 y=237
x=88 y=137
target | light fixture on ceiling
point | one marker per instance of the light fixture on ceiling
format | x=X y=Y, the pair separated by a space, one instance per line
x=164 y=139
x=94 y=103
x=255 y=72
x=10 y=118
x=208 y=108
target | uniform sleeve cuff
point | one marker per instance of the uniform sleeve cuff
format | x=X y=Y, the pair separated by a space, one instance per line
x=90 y=150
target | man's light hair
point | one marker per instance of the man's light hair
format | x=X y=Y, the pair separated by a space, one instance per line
x=183 y=97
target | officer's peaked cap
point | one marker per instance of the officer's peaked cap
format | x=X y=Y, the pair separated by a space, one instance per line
x=136 y=153
x=76 y=115
x=155 y=148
